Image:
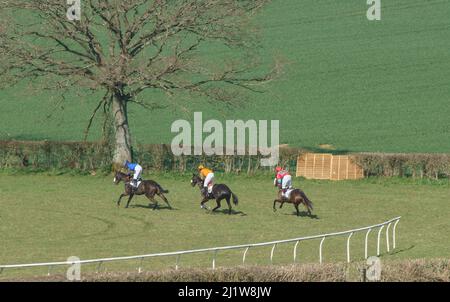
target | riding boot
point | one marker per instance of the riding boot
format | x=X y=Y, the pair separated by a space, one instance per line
x=134 y=184
x=205 y=192
x=210 y=194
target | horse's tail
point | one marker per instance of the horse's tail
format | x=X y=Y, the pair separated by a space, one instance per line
x=308 y=202
x=161 y=190
x=235 y=198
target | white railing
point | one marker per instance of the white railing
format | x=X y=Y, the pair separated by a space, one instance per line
x=245 y=247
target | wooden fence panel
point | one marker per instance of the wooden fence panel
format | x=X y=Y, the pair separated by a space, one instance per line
x=328 y=166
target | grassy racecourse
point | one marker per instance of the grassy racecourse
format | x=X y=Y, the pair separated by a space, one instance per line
x=49 y=218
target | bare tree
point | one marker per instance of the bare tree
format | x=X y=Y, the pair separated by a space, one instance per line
x=124 y=48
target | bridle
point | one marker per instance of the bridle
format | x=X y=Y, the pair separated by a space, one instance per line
x=199 y=182
x=122 y=177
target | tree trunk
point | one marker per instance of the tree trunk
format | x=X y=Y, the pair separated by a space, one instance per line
x=122 y=150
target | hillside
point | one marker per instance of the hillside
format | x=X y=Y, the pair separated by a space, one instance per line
x=348 y=82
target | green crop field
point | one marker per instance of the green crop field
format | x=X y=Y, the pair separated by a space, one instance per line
x=349 y=82
x=49 y=218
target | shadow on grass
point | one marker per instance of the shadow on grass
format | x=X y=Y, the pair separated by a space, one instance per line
x=226 y=211
x=303 y=214
x=397 y=251
x=152 y=207
x=326 y=150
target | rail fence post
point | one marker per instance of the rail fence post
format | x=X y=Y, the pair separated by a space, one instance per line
x=387 y=237
x=271 y=253
x=378 y=241
x=348 y=247
x=245 y=254
x=295 y=250
x=393 y=233
x=366 y=255
x=49 y=270
x=140 y=266
x=214 y=260
x=320 y=249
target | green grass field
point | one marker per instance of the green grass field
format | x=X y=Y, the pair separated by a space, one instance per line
x=49 y=218
x=355 y=84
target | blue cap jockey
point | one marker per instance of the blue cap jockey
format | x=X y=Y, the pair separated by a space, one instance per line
x=137 y=169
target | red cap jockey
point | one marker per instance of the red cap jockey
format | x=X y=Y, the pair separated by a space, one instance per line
x=279 y=177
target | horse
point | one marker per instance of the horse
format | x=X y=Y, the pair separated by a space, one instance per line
x=296 y=197
x=219 y=192
x=149 y=188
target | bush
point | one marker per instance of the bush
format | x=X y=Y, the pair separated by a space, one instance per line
x=84 y=157
x=432 y=166
x=418 y=270
x=54 y=155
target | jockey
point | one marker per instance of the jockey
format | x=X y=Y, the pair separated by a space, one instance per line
x=283 y=179
x=208 y=177
x=137 y=169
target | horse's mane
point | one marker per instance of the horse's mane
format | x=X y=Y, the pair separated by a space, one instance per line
x=198 y=178
x=120 y=172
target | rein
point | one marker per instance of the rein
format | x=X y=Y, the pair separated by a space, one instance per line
x=123 y=178
x=200 y=183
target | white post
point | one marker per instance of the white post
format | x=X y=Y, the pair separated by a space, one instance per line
x=348 y=247
x=387 y=237
x=320 y=249
x=271 y=253
x=295 y=251
x=140 y=266
x=366 y=244
x=393 y=233
x=214 y=260
x=378 y=241
x=49 y=270
x=245 y=254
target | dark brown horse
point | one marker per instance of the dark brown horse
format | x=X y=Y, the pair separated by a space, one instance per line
x=149 y=188
x=219 y=192
x=296 y=197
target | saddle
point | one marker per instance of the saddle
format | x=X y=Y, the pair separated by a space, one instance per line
x=138 y=183
x=288 y=192
x=207 y=194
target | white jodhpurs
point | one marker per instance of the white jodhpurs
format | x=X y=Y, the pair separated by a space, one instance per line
x=137 y=172
x=287 y=182
x=209 y=181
